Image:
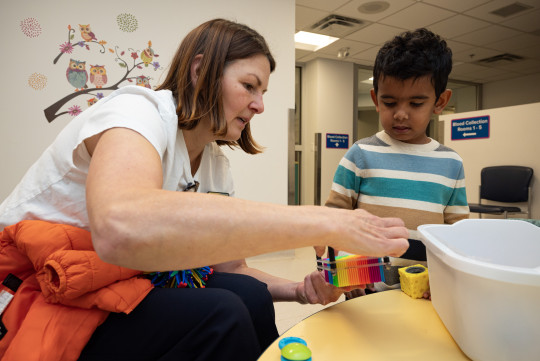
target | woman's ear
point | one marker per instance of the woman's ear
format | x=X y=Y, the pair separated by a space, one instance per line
x=443 y=100
x=194 y=71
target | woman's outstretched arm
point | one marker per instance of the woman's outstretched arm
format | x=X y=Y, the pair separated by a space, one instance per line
x=136 y=224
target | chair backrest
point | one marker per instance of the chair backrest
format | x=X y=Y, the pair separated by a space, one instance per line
x=508 y=183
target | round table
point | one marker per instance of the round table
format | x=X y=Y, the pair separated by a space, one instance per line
x=382 y=326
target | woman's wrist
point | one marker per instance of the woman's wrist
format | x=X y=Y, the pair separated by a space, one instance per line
x=300 y=294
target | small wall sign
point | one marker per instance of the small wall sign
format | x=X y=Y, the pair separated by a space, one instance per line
x=337 y=141
x=470 y=128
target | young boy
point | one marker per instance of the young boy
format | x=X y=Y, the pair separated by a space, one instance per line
x=400 y=171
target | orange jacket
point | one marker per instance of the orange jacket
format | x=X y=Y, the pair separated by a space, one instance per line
x=66 y=293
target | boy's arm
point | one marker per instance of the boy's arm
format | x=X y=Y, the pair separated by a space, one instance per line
x=345 y=185
x=338 y=200
x=457 y=208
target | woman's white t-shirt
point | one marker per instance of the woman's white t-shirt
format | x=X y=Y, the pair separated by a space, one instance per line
x=53 y=189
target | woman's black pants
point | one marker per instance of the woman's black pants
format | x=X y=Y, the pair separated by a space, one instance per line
x=231 y=319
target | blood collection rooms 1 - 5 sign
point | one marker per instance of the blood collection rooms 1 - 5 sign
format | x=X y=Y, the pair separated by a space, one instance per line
x=470 y=128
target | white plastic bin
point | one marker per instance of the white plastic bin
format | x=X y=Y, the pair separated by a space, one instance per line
x=484 y=277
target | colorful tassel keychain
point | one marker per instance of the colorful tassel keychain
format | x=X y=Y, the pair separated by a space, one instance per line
x=192 y=278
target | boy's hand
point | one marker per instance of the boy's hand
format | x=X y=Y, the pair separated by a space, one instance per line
x=427 y=294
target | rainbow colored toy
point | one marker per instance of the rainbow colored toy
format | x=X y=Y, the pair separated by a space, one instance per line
x=351 y=270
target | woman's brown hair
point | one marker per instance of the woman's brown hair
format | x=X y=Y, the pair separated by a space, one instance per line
x=220 y=42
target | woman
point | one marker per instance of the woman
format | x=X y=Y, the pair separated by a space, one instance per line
x=139 y=169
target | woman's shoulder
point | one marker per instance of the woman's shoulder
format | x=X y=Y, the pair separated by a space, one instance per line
x=136 y=102
x=160 y=98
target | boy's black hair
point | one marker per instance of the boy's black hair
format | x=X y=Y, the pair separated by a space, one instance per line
x=414 y=54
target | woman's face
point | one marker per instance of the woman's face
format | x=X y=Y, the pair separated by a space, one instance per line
x=244 y=83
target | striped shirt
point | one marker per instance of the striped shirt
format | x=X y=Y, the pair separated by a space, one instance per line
x=419 y=183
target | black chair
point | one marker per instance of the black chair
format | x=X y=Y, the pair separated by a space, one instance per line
x=504 y=184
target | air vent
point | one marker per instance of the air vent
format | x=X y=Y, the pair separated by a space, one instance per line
x=511 y=9
x=337 y=25
x=506 y=57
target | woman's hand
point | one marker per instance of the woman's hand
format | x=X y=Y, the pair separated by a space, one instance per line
x=369 y=235
x=360 y=291
x=315 y=290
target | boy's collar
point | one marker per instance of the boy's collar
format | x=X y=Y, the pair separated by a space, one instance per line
x=432 y=145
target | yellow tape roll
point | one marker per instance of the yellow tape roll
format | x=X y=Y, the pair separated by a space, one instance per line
x=414 y=280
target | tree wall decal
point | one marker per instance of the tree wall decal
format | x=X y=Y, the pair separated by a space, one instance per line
x=131 y=61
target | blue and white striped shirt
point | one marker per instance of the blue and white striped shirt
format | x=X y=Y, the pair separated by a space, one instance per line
x=419 y=183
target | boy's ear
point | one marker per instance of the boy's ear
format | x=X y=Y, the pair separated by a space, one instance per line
x=374 y=98
x=443 y=100
x=194 y=71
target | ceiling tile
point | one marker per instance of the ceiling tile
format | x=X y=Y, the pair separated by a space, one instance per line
x=487 y=35
x=488 y=72
x=457 y=25
x=369 y=54
x=473 y=54
x=527 y=66
x=305 y=17
x=458 y=47
x=298 y=53
x=355 y=47
x=375 y=34
x=351 y=9
x=529 y=52
x=322 y=4
x=468 y=68
x=529 y=22
x=515 y=43
x=466 y=25
x=417 y=16
x=456 y=5
x=306 y=58
x=503 y=75
x=484 y=11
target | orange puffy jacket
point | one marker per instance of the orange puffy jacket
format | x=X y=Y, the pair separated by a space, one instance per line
x=65 y=294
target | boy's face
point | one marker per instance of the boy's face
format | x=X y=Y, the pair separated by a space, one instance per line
x=405 y=107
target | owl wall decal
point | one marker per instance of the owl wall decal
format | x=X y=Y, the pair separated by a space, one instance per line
x=147 y=54
x=86 y=33
x=92 y=101
x=143 y=81
x=98 y=75
x=76 y=74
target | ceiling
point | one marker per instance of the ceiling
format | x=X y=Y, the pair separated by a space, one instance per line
x=474 y=30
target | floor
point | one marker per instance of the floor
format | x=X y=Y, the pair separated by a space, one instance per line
x=293 y=265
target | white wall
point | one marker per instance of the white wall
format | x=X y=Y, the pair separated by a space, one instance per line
x=513 y=140
x=328 y=107
x=25 y=132
x=510 y=92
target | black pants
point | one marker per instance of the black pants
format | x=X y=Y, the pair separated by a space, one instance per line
x=231 y=319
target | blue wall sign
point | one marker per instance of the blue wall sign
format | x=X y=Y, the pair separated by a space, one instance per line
x=337 y=141
x=470 y=128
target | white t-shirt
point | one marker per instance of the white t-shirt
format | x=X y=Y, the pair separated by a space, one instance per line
x=53 y=189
